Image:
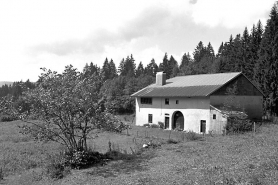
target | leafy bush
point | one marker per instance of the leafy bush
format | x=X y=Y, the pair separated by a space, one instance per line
x=192 y=136
x=154 y=126
x=161 y=124
x=146 y=125
x=172 y=141
x=56 y=167
x=81 y=159
x=235 y=125
x=4 y=118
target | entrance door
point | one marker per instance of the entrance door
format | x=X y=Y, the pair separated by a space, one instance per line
x=166 y=122
x=203 y=126
x=178 y=121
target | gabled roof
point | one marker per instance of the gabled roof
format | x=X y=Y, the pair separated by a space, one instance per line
x=188 y=86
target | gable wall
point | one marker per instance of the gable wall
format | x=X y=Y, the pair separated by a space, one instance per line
x=247 y=97
x=243 y=85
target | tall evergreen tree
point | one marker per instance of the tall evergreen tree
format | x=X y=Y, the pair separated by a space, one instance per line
x=185 y=67
x=105 y=71
x=112 y=70
x=266 y=73
x=210 y=51
x=140 y=70
x=172 y=63
x=152 y=68
x=199 y=52
x=121 y=67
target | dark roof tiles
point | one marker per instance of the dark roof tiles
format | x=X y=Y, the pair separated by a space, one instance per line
x=187 y=86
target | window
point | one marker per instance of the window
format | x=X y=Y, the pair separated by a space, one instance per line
x=166 y=101
x=150 y=118
x=177 y=101
x=214 y=116
x=146 y=100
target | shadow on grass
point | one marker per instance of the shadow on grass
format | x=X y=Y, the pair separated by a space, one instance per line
x=115 y=168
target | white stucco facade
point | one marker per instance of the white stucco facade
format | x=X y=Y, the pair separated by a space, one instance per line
x=193 y=109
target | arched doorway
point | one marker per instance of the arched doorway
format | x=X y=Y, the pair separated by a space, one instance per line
x=178 y=121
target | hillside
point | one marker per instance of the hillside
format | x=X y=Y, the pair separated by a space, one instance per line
x=234 y=159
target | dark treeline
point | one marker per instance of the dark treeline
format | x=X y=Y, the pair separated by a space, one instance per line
x=253 y=52
x=16 y=88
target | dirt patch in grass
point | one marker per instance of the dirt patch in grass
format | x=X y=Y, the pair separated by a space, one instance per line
x=115 y=168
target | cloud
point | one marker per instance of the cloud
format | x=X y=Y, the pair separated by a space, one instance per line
x=230 y=13
x=193 y=1
x=151 y=21
x=92 y=43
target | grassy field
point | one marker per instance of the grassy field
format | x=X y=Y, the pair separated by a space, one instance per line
x=236 y=159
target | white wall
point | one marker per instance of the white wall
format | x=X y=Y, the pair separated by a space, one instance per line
x=217 y=125
x=193 y=109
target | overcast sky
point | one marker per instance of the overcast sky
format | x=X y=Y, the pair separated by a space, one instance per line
x=56 y=33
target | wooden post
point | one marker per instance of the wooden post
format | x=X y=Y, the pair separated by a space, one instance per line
x=254 y=127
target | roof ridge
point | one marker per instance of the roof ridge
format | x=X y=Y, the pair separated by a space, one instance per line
x=206 y=74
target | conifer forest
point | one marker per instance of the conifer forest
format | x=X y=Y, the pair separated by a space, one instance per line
x=254 y=52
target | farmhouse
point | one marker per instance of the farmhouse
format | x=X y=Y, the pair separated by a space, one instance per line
x=199 y=103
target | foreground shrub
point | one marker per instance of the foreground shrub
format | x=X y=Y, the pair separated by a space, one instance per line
x=154 y=126
x=5 y=118
x=56 y=167
x=192 y=136
x=172 y=141
x=82 y=159
x=235 y=125
x=146 y=125
x=161 y=125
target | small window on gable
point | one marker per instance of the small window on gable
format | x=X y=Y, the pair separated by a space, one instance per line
x=150 y=119
x=214 y=116
x=166 y=101
x=177 y=101
x=146 y=100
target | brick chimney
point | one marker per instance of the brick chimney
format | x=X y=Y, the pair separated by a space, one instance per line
x=160 y=78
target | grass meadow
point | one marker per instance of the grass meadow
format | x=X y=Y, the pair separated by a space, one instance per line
x=211 y=159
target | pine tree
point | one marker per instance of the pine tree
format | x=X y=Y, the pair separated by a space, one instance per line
x=199 y=52
x=121 y=67
x=105 y=71
x=220 y=50
x=152 y=68
x=172 y=63
x=266 y=73
x=140 y=70
x=185 y=67
x=112 y=70
x=163 y=66
x=210 y=51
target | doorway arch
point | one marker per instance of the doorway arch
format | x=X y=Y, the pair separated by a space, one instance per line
x=178 y=121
